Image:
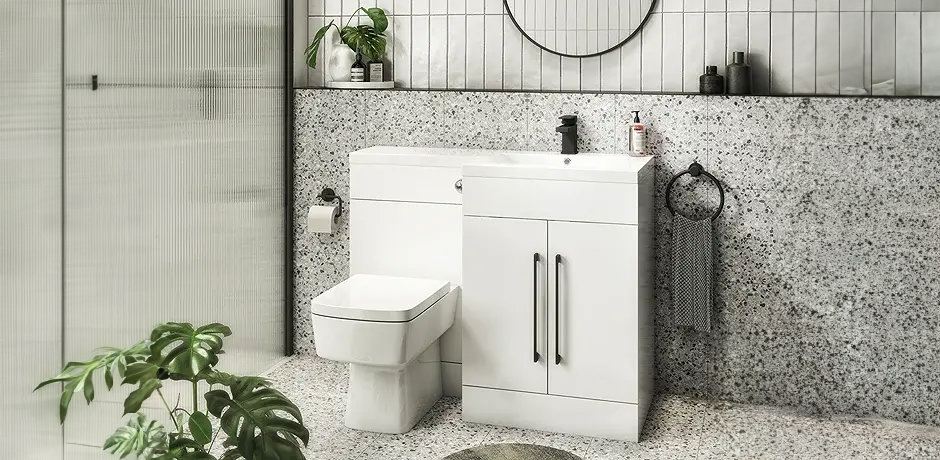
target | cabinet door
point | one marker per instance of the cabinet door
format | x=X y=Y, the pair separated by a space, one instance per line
x=595 y=328
x=504 y=303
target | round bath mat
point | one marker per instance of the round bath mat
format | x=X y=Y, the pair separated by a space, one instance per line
x=512 y=452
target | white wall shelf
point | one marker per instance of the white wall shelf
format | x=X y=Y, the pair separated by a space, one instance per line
x=360 y=85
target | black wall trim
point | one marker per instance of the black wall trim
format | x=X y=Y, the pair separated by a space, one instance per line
x=289 y=177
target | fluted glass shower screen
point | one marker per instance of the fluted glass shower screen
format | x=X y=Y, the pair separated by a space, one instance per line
x=143 y=171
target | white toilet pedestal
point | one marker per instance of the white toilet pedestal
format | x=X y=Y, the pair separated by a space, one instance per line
x=392 y=399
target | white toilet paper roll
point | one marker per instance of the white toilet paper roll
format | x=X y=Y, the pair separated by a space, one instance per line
x=322 y=219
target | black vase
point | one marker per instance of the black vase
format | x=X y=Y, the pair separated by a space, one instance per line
x=711 y=82
x=739 y=75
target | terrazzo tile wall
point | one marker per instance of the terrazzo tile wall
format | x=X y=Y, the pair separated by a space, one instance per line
x=827 y=254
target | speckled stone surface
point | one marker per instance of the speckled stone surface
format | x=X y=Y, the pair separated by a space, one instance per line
x=677 y=428
x=827 y=252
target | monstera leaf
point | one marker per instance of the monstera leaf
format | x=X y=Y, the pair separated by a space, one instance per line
x=377 y=15
x=365 y=39
x=141 y=438
x=255 y=418
x=181 y=349
x=78 y=376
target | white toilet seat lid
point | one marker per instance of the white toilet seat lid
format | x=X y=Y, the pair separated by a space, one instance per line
x=379 y=298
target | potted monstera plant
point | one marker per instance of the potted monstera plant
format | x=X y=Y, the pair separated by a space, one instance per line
x=258 y=422
x=363 y=39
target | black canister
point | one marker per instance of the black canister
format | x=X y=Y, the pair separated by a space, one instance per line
x=711 y=82
x=739 y=75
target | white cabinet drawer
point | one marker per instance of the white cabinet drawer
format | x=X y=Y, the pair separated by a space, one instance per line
x=404 y=183
x=551 y=200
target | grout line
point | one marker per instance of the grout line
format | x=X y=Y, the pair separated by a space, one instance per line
x=446 y=47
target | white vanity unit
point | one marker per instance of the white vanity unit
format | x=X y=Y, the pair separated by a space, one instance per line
x=558 y=276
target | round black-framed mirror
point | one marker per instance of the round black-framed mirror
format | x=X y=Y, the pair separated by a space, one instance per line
x=579 y=28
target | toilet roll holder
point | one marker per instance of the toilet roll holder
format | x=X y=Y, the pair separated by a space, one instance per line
x=329 y=195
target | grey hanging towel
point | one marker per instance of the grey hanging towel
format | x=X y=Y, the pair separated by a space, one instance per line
x=692 y=272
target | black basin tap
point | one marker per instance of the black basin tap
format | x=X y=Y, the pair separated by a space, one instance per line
x=569 y=134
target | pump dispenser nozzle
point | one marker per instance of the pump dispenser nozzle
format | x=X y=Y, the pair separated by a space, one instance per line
x=636 y=116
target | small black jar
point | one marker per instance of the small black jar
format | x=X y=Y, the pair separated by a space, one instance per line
x=711 y=82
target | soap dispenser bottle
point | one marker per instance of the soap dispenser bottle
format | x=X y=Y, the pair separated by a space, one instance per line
x=637 y=136
x=357 y=73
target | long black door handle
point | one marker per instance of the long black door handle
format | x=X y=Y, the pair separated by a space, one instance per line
x=535 y=307
x=557 y=301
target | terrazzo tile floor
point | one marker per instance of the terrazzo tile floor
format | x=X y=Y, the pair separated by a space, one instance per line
x=677 y=428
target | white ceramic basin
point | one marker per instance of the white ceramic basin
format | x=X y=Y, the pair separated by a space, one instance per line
x=587 y=167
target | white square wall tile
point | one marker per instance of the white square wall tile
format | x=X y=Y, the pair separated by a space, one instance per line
x=908 y=5
x=883 y=37
x=493 y=57
x=759 y=5
x=852 y=5
x=716 y=32
x=475 y=51
x=930 y=5
x=851 y=51
x=758 y=47
x=930 y=53
x=401 y=64
x=694 y=6
x=457 y=51
x=781 y=52
x=714 y=6
x=693 y=51
x=781 y=5
x=804 y=5
x=333 y=7
x=438 y=7
x=402 y=7
x=883 y=5
x=475 y=6
x=804 y=53
x=671 y=6
x=421 y=6
x=908 y=63
x=672 y=51
x=420 y=49
x=456 y=6
x=827 y=53
x=437 y=56
x=315 y=8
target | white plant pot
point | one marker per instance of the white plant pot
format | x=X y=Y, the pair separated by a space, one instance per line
x=341 y=61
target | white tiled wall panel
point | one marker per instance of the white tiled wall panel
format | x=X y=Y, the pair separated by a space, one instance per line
x=795 y=47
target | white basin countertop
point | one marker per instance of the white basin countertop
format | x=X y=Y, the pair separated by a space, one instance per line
x=590 y=167
x=586 y=167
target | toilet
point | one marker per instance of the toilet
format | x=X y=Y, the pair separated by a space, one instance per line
x=392 y=319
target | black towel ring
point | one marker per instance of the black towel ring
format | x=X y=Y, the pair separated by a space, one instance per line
x=696 y=170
